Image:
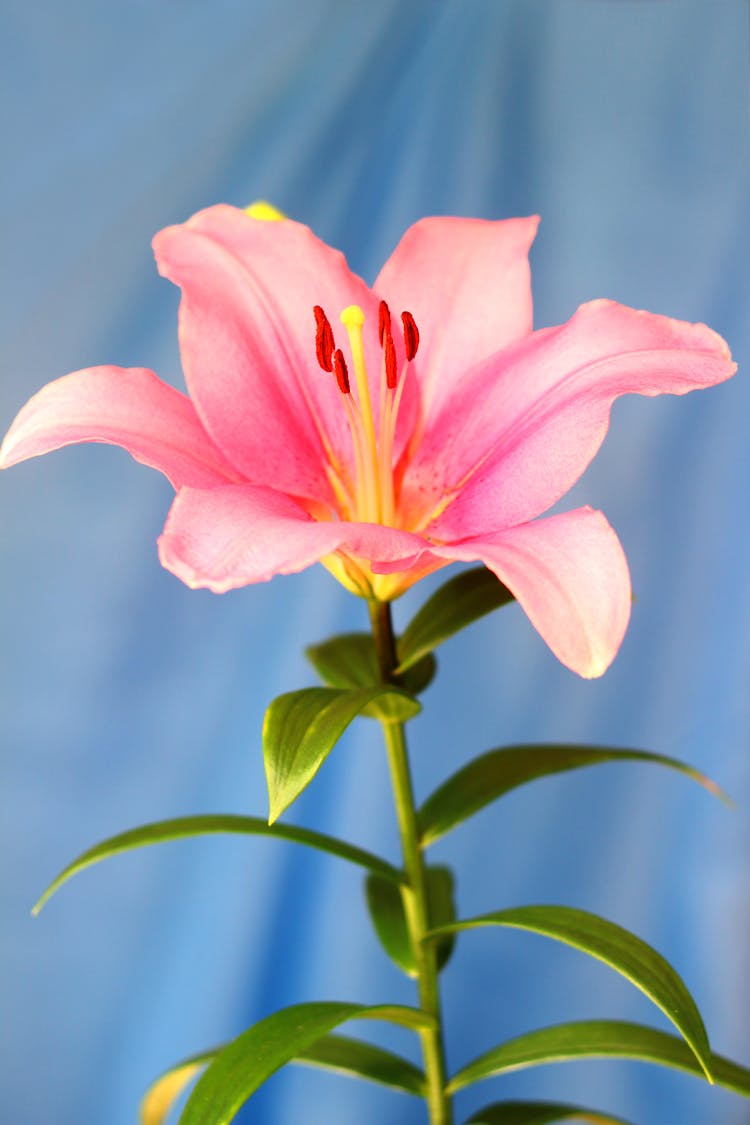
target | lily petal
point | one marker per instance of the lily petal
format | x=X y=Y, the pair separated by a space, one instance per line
x=570 y=575
x=467 y=284
x=247 y=339
x=127 y=406
x=525 y=425
x=223 y=538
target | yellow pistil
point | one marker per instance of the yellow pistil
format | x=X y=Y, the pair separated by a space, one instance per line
x=370 y=496
x=369 y=505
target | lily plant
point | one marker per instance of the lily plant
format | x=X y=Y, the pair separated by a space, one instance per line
x=386 y=433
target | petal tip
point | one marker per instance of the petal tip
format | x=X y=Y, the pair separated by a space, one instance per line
x=6 y=457
x=596 y=669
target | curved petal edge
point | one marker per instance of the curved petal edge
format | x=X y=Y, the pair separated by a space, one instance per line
x=570 y=575
x=227 y=537
x=126 y=406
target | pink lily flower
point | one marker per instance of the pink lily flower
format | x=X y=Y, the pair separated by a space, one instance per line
x=384 y=432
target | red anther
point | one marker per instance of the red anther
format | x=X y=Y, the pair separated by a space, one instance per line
x=391 y=369
x=340 y=371
x=411 y=335
x=384 y=321
x=324 y=343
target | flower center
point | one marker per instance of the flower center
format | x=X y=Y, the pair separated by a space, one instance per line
x=372 y=497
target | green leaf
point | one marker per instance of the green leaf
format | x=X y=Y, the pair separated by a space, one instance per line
x=349 y=661
x=363 y=1060
x=332 y=1052
x=619 y=949
x=538 y=1113
x=164 y=1092
x=302 y=727
x=386 y=908
x=245 y=1064
x=498 y=771
x=184 y=827
x=459 y=601
x=599 y=1039
x=442 y=908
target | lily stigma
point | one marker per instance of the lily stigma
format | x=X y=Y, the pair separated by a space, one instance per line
x=433 y=425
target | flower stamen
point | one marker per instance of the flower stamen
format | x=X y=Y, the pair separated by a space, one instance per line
x=371 y=495
x=324 y=342
x=389 y=358
x=411 y=335
x=384 y=321
x=340 y=370
x=353 y=320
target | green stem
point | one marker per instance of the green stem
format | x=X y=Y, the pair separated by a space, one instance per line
x=415 y=894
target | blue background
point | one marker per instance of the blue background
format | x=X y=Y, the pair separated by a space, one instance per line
x=127 y=698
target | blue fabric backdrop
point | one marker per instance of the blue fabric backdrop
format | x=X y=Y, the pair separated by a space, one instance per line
x=127 y=698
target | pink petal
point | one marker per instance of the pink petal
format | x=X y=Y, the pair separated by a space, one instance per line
x=526 y=424
x=247 y=337
x=227 y=537
x=570 y=575
x=130 y=407
x=467 y=284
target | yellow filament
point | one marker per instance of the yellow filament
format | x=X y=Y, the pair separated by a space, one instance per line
x=384 y=459
x=339 y=490
x=364 y=480
x=436 y=512
x=389 y=402
x=353 y=318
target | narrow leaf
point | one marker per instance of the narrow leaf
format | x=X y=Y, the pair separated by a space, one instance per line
x=349 y=661
x=245 y=1064
x=363 y=1060
x=599 y=1039
x=616 y=947
x=164 y=1092
x=386 y=907
x=302 y=727
x=210 y=824
x=459 y=601
x=498 y=771
x=539 y=1113
x=332 y=1052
